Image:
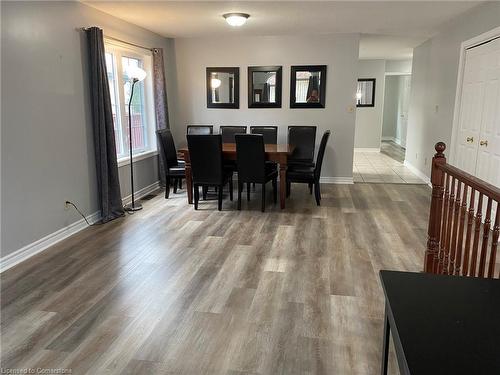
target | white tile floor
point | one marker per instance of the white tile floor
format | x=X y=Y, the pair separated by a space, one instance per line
x=378 y=167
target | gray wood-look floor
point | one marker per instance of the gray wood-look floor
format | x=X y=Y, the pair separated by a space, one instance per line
x=171 y=290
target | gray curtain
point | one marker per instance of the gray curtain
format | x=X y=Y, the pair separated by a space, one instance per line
x=110 y=199
x=160 y=97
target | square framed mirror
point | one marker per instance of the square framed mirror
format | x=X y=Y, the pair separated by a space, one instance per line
x=223 y=87
x=365 y=93
x=308 y=86
x=264 y=86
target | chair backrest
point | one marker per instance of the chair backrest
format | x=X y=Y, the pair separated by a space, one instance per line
x=168 y=151
x=205 y=153
x=250 y=157
x=228 y=132
x=321 y=154
x=304 y=139
x=200 y=129
x=270 y=133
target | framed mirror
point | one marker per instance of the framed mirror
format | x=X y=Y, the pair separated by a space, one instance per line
x=264 y=86
x=223 y=87
x=365 y=93
x=308 y=86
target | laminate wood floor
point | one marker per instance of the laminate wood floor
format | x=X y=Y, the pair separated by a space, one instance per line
x=171 y=290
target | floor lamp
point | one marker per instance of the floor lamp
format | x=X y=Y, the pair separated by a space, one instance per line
x=135 y=74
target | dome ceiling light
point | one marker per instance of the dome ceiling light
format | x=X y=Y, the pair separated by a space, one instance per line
x=236 y=19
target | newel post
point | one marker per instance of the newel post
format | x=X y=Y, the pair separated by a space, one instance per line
x=437 y=180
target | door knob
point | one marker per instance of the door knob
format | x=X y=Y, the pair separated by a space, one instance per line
x=470 y=139
x=484 y=143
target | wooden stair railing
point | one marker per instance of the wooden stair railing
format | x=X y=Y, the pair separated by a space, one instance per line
x=464 y=226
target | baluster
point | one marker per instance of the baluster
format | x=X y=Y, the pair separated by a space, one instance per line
x=447 y=247
x=434 y=234
x=494 y=244
x=444 y=224
x=486 y=234
x=468 y=236
x=477 y=228
x=454 y=235
x=463 y=213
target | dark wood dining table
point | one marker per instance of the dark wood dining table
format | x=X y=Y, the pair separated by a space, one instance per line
x=441 y=324
x=278 y=153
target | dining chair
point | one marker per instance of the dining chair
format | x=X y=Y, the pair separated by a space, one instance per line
x=174 y=168
x=228 y=132
x=307 y=174
x=270 y=133
x=205 y=153
x=200 y=129
x=252 y=166
x=304 y=139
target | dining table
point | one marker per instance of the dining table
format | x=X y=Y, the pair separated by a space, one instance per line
x=278 y=153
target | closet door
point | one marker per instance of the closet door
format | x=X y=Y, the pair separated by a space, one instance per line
x=488 y=157
x=470 y=112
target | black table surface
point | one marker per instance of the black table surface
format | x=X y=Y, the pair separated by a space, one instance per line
x=446 y=324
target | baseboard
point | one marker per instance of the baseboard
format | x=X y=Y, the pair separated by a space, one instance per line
x=337 y=180
x=44 y=243
x=417 y=172
x=389 y=139
x=369 y=149
x=141 y=192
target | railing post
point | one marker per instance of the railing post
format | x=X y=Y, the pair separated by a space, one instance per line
x=434 y=230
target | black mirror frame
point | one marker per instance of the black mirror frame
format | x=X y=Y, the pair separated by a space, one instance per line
x=276 y=69
x=236 y=72
x=373 y=92
x=322 y=89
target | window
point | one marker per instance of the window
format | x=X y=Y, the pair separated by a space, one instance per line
x=118 y=59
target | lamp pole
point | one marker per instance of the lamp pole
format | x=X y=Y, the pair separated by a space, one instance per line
x=131 y=207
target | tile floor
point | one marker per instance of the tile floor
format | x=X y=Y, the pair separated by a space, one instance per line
x=379 y=167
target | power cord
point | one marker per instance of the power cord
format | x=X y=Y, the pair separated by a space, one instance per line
x=82 y=215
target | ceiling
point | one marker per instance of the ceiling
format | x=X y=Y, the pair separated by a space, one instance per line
x=389 y=29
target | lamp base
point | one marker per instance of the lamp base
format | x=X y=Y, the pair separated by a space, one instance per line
x=135 y=207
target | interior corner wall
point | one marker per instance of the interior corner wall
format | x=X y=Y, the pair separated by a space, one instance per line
x=369 y=119
x=47 y=142
x=340 y=54
x=434 y=82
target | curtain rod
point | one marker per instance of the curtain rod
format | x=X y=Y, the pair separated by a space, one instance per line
x=118 y=40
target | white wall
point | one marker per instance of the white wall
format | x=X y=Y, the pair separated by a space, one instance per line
x=369 y=119
x=339 y=52
x=398 y=66
x=47 y=143
x=434 y=82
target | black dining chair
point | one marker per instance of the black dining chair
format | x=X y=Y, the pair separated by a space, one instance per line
x=174 y=169
x=228 y=132
x=307 y=174
x=205 y=153
x=200 y=129
x=252 y=166
x=304 y=139
x=270 y=133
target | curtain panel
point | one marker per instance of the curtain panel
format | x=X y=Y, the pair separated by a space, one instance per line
x=160 y=99
x=110 y=200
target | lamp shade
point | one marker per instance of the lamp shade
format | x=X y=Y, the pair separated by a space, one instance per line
x=135 y=73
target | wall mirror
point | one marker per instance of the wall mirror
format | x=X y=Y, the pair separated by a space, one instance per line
x=264 y=86
x=223 y=87
x=308 y=86
x=365 y=93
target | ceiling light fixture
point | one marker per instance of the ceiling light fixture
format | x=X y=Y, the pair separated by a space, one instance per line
x=236 y=19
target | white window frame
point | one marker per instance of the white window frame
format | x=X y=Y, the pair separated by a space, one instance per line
x=120 y=50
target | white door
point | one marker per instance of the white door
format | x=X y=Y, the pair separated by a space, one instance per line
x=478 y=136
x=488 y=157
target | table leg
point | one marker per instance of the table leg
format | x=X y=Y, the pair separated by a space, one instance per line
x=189 y=182
x=283 y=165
x=385 y=344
